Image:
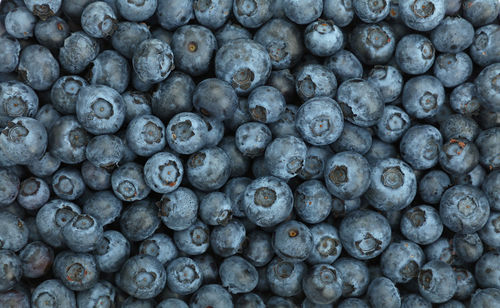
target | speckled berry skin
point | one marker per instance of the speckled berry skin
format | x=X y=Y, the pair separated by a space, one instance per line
x=437 y=282
x=347 y=175
x=23 y=140
x=153 y=60
x=422 y=15
x=142 y=276
x=420 y=146
x=421 y=224
x=128 y=182
x=284 y=157
x=208 y=169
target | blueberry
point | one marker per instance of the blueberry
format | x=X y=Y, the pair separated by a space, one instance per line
x=160 y=246
x=36 y=258
x=15 y=298
x=83 y=233
x=211 y=295
x=322 y=284
x=285 y=278
x=20 y=23
x=136 y=104
x=423 y=96
x=193 y=47
x=101 y=294
x=104 y=151
x=292 y=241
x=128 y=182
x=485 y=45
x=488 y=148
x=10 y=186
x=112 y=251
x=67 y=183
x=103 y=206
x=153 y=61
x=353 y=302
x=127 y=36
x=312 y=201
x=468 y=247
x=458 y=156
x=142 y=276
x=393 y=124
x=139 y=221
x=172 y=302
x=303 y=12
x=146 y=135
x=341 y=207
x=13 y=232
x=52 y=32
x=52 y=293
x=173 y=14
x=284 y=157
x=99 y=20
x=354 y=274
x=250 y=300
x=231 y=31
x=252 y=13
x=347 y=175
x=401 y=261
x=415 y=301
x=95 y=178
x=43 y=8
x=33 y=193
x=186 y=133
x=484 y=297
x=314 y=80
x=420 y=146
x=323 y=38
x=373 y=43
x=266 y=104
x=371 y=11
x=326 y=244
x=229 y=239
x=465 y=100
x=212 y=14
x=393 y=185
x=421 y=224
x=340 y=11
x=208 y=169
x=77 y=271
x=480 y=12
x=239 y=164
x=10 y=49
x=364 y=234
x=52 y=217
x=345 y=65
x=453 y=34
x=414 y=54
x=437 y=282
x=215 y=98
x=234 y=190
x=77 y=52
x=314 y=163
x=208 y=267
x=243 y=75
x=238 y=275
x=278 y=302
x=183 y=276
x=383 y=293
x=174 y=95
x=442 y=250
x=194 y=240
x=422 y=15
x=388 y=80
x=37 y=67
x=23 y=140
x=110 y=69
x=178 y=209
x=47 y=115
x=466 y=283
x=360 y=102
x=136 y=11
x=353 y=138
x=284 y=81
x=17 y=100
x=163 y=172
x=453 y=69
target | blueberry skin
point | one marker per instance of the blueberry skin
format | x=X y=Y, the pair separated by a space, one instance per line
x=10 y=186
x=173 y=96
x=292 y=241
x=183 y=276
x=458 y=156
x=37 y=67
x=276 y=301
x=235 y=189
x=388 y=80
x=127 y=36
x=459 y=126
x=243 y=63
x=215 y=99
x=33 y=193
x=480 y=12
x=95 y=178
x=353 y=138
x=414 y=54
x=239 y=164
x=128 y=182
x=47 y=115
x=364 y=234
x=490 y=187
x=465 y=100
x=186 y=133
x=43 y=8
x=102 y=293
x=208 y=267
x=136 y=103
x=17 y=100
x=11 y=269
x=211 y=295
x=383 y=293
x=284 y=81
x=487 y=143
x=67 y=183
x=20 y=23
x=103 y=206
x=322 y=284
x=99 y=20
x=172 y=302
x=466 y=283
x=469 y=247
x=23 y=140
x=326 y=244
x=163 y=172
x=422 y=15
x=437 y=282
x=486 y=87
x=320 y=121
x=345 y=65
x=454 y=34
x=110 y=69
x=360 y=102
x=227 y=240
x=112 y=252
x=178 y=209
x=105 y=151
x=314 y=163
x=52 y=32
x=314 y=80
x=340 y=11
x=215 y=209
x=347 y=175
x=285 y=126
x=160 y=246
x=252 y=138
x=341 y=207
x=250 y=300
x=83 y=233
x=10 y=49
x=484 y=49
x=77 y=271
x=284 y=157
x=16 y=297
x=303 y=12
x=484 y=297
x=401 y=261
x=252 y=13
x=393 y=124
x=13 y=232
x=373 y=43
x=52 y=217
x=54 y=292
x=212 y=14
x=64 y=93
x=193 y=47
x=423 y=96
x=136 y=11
x=146 y=135
x=77 y=52
x=230 y=32
x=353 y=302
x=323 y=38
x=442 y=250
x=153 y=60
x=285 y=277
x=238 y=275
x=420 y=146
x=208 y=169
x=421 y=224
x=414 y=300
x=259 y=250
x=371 y=11
x=312 y=201
x=266 y=104
x=174 y=13
x=142 y=276
x=354 y=274
x=194 y=240
x=453 y=69
x=134 y=302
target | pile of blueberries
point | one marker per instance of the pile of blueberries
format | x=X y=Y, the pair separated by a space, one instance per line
x=249 y=153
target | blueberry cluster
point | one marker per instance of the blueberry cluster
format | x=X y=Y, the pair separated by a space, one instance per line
x=249 y=153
